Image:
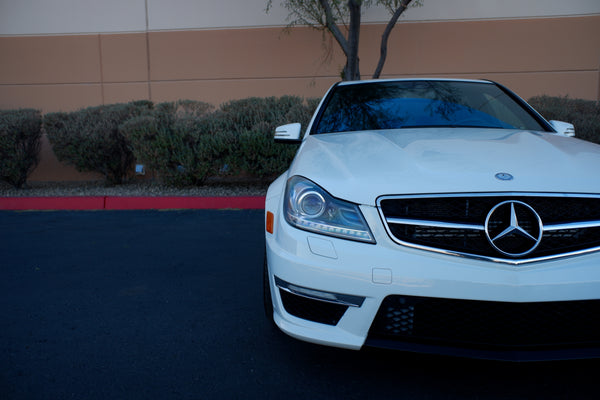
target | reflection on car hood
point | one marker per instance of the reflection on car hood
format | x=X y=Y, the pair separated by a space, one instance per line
x=361 y=166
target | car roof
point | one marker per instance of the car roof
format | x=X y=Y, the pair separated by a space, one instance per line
x=368 y=81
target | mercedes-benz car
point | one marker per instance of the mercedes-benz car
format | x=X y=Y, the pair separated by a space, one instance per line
x=439 y=216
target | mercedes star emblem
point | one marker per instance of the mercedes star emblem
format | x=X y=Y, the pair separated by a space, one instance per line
x=504 y=176
x=513 y=228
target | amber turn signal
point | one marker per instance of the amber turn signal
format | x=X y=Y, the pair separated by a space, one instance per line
x=270 y=219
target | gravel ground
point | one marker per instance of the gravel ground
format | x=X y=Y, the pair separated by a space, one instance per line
x=42 y=189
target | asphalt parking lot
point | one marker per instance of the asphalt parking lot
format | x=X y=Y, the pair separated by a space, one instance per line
x=167 y=305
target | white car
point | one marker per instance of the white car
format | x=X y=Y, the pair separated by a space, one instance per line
x=440 y=216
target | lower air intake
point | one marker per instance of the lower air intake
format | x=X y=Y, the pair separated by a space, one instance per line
x=485 y=324
x=312 y=310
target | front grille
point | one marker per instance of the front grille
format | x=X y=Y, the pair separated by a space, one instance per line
x=485 y=324
x=311 y=309
x=457 y=224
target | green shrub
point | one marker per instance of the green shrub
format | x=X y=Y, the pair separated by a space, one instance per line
x=257 y=153
x=177 y=143
x=20 y=134
x=584 y=114
x=188 y=142
x=90 y=139
x=259 y=156
x=238 y=116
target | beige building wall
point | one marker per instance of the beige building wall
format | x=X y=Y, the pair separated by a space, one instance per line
x=168 y=50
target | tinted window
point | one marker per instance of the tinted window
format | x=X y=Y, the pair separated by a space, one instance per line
x=421 y=104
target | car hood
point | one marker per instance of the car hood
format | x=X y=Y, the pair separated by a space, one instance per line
x=361 y=166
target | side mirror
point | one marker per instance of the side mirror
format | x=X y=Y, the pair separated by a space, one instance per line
x=288 y=133
x=563 y=128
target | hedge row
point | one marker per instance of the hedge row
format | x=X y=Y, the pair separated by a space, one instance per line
x=584 y=114
x=183 y=142
x=188 y=142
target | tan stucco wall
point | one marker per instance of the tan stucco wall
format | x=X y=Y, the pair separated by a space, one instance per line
x=554 y=56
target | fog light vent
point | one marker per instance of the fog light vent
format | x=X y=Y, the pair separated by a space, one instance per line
x=312 y=310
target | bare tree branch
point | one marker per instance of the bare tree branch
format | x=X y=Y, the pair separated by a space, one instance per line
x=333 y=28
x=386 y=34
x=333 y=16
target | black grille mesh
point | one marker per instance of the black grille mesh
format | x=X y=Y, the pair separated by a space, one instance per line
x=484 y=324
x=474 y=210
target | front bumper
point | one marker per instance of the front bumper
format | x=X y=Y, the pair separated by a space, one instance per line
x=374 y=272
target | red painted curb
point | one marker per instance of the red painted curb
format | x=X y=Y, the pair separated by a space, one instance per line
x=52 y=203
x=130 y=203
x=161 y=203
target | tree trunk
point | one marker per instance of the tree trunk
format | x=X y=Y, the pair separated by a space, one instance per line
x=352 y=70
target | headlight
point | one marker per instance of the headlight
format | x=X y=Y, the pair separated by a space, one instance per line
x=309 y=207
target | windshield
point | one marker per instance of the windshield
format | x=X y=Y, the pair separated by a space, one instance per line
x=422 y=104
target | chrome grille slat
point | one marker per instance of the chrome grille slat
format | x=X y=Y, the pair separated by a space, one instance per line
x=571 y=226
x=435 y=224
x=456 y=223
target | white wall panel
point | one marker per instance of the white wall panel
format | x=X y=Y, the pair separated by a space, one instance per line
x=212 y=14
x=33 y=17
x=200 y=14
x=444 y=10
